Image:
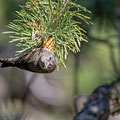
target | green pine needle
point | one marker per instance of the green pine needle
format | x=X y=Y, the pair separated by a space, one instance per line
x=51 y=18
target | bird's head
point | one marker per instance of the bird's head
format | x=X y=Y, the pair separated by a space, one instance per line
x=47 y=60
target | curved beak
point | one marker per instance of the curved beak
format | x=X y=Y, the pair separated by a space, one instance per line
x=46 y=65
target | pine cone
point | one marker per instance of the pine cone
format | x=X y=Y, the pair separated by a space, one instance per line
x=49 y=44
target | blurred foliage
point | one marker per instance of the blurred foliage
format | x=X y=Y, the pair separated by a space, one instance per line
x=95 y=66
x=103 y=11
x=11 y=7
x=7 y=8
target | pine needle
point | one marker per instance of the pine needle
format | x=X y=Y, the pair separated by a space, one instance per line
x=53 y=18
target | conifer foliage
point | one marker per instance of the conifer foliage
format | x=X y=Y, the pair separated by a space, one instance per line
x=49 y=24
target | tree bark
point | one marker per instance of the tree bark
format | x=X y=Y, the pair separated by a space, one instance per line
x=103 y=102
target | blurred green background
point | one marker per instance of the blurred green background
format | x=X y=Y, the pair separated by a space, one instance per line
x=51 y=97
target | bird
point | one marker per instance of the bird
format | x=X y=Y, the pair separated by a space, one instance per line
x=38 y=60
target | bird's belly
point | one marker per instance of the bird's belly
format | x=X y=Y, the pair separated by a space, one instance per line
x=35 y=69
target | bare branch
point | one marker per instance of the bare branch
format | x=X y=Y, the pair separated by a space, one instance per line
x=112 y=58
x=103 y=102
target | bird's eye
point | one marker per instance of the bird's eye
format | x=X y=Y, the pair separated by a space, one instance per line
x=50 y=58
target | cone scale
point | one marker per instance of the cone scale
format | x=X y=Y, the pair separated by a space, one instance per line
x=49 y=44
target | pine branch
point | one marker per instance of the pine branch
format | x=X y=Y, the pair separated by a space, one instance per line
x=43 y=19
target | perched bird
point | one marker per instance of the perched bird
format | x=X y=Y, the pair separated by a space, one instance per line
x=39 y=60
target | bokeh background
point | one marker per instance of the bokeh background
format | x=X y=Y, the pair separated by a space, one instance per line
x=30 y=96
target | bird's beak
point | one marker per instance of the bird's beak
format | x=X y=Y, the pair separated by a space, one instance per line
x=46 y=65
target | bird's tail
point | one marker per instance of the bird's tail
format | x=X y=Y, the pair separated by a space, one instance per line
x=7 y=62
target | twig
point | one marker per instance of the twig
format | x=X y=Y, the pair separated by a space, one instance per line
x=32 y=79
x=75 y=104
x=105 y=41
x=76 y=79
x=119 y=47
x=112 y=58
x=79 y=101
x=118 y=30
